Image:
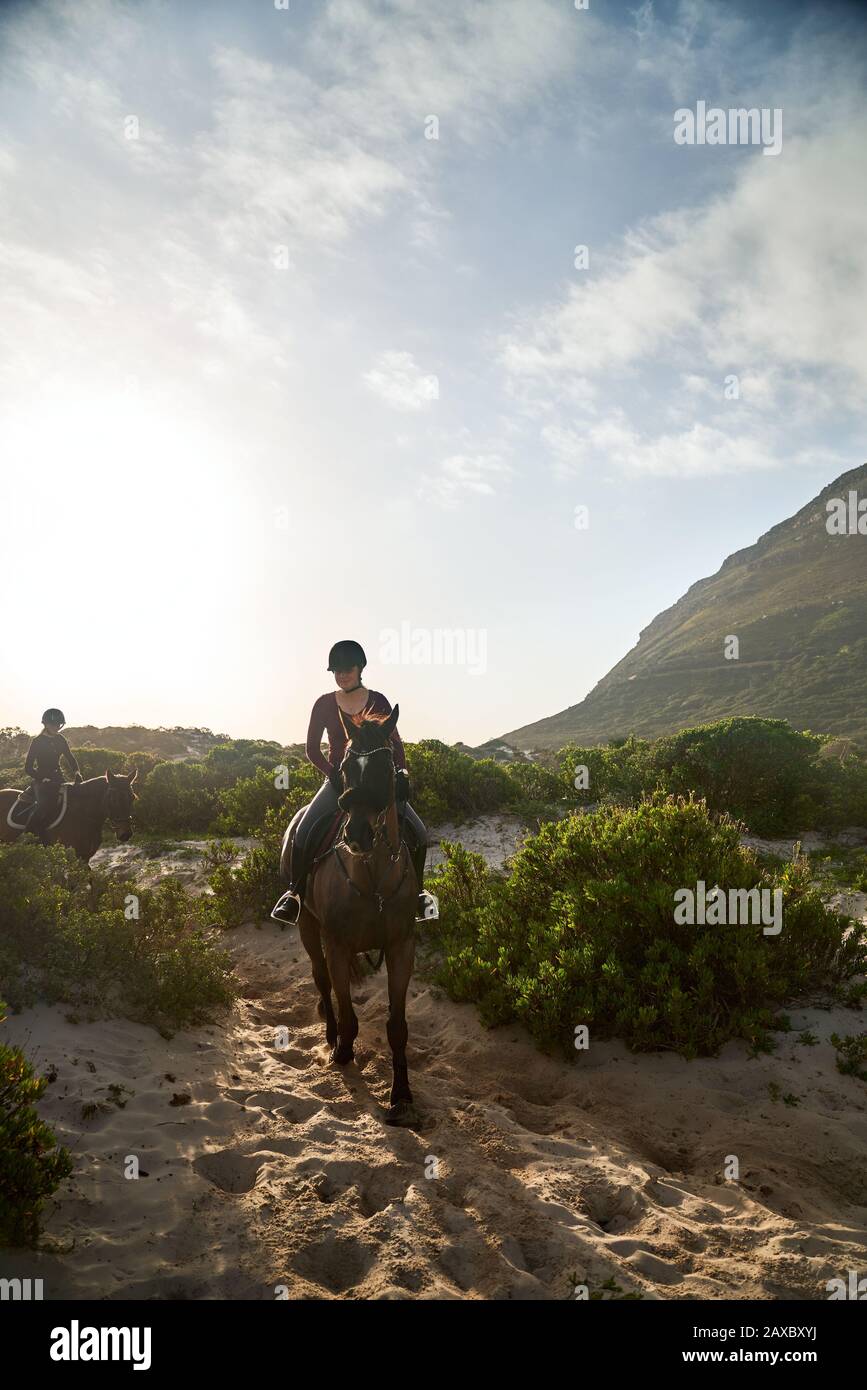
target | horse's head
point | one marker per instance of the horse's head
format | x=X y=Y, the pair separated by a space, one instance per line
x=368 y=776
x=118 y=806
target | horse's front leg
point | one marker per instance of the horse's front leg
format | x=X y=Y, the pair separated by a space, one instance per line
x=338 y=959
x=311 y=939
x=399 y=959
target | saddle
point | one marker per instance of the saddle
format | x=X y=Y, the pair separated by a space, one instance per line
x=323 y=835
x=19 y=811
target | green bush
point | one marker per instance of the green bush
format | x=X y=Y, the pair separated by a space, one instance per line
x=31 y=1164
x=851 y=1054
x=243 y=807
x=240 y=758
x=582 y=931
x=248 y=892
x=620 y=772
x=532 y=784
x=227 y=792
x=449 y=785
x=761 y=771
x=69 y=935
x=176 y=798
x=842 y=774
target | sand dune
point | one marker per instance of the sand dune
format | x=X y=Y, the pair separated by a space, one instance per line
x=266 y=1167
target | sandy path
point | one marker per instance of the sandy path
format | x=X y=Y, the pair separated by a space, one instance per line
x=494 y=837
x=527 y=1173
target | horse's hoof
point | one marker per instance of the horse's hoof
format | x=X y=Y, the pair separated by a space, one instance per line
x=342 y=1056
x=404 y=1114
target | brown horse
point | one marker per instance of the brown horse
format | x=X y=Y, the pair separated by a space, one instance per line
x=89 y=805
x=361 y=896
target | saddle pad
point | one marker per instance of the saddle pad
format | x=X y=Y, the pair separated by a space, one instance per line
x=24 y=805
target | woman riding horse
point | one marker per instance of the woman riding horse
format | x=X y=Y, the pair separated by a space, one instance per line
x=78 y=821
x=346 y=661
x=43 y=766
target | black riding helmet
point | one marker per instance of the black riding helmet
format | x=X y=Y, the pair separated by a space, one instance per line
x=54 y=716
x=344 y=655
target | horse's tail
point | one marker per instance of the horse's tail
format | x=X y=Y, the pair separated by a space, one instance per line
x=357 y=971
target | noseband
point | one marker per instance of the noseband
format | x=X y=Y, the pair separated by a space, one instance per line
x=363 y=757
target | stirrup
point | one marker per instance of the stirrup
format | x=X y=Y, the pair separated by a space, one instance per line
x=428 y=907
x=287 y=909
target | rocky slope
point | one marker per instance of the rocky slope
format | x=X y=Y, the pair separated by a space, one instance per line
x=797 y=603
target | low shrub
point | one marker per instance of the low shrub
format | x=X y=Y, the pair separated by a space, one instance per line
x=176 y=798
x=32 y=1165
x=243 y=807
x=761 y=771
x=72 y=935
x=851 y=1054
x=581 y=930
x=447 y=785
x=249 y=891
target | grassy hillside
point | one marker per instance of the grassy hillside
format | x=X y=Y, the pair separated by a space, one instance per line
x=167 y=743
x=796 y=601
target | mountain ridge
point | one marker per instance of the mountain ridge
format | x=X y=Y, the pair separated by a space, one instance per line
x=796 y=599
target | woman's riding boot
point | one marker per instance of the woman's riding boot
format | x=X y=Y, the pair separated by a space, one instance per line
x=287 y=909
x=418 y=854
x=37 y=821
x=36 y=825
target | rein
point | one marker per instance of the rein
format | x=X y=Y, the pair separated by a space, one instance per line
x=373 y=896
x=380 y=834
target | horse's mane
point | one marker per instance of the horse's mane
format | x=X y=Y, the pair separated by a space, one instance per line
x=368 y=717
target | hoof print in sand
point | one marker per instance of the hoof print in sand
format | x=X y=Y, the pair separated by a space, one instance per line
x=405 y=1115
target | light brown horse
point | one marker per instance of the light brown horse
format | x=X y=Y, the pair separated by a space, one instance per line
x=89 y=805
x=361 y=896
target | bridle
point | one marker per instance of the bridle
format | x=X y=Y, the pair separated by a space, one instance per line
x=119 y=824
x=380 y=834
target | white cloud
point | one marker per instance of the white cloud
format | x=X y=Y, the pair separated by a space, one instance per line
x=398 y=381
x=774 y=274
x=699 y=451
x=308 y=158
x=470 y=65
x=462 y=476
x=239 y=153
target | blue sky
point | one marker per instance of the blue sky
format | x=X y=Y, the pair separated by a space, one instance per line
x=228 y=461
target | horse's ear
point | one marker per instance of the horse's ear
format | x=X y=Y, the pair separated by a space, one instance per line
x=132 y=776
x=390 y=723
x=349 y=729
